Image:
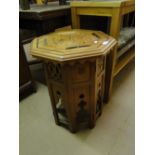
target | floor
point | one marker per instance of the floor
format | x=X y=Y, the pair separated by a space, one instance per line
x=112 y=135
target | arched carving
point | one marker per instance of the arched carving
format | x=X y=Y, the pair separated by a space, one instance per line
x=62 y=114
x=82 y=114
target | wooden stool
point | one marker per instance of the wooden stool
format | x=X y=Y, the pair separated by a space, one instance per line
x=75 y=70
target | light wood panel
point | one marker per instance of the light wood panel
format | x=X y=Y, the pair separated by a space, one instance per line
x=94 y=11
x=123 y=62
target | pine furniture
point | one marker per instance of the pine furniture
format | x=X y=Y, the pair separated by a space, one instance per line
x=116 y=10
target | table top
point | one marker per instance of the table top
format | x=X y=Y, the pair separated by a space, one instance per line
x=72 y=44
x=102 y=3
x=51 y=6
x=39 y=11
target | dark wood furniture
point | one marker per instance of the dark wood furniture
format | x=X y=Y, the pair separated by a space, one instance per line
x=75 y=72
x=26 y=83
x=39 y=20
x=45 y=18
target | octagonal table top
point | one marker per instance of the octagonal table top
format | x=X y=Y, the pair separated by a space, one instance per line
x=71 y=44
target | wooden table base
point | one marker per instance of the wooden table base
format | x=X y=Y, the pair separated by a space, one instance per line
x=76 y=91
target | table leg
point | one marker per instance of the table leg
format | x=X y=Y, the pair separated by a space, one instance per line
x=75 y=19
x=110 y=63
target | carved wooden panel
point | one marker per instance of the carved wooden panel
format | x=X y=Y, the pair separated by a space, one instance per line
x=81 y=92
x=80 y=72
x=99 y=93
x=54 y=71
x=60 y=102
x=72 y=85
x=100 y=64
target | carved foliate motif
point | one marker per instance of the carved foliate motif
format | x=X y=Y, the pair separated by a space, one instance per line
x=99 y=95
x=55 y=71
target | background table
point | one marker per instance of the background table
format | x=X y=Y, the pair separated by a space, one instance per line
x=116 y=10
x=44 y=18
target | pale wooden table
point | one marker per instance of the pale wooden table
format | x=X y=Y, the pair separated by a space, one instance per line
x=109 y=8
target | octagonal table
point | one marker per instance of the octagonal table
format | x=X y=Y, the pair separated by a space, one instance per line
x=75 y=72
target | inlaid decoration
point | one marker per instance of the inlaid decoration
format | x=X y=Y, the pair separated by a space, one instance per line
x=71 y=44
